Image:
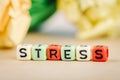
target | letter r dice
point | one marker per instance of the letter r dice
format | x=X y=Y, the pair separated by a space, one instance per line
x=53 y=52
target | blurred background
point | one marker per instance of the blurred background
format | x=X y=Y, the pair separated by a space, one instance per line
x=81 y=19
x=48 y=19
x=73 y=22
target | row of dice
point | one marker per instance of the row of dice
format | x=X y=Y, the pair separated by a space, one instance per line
x=98 y=53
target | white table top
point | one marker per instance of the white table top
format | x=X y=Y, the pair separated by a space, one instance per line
x=12 y=69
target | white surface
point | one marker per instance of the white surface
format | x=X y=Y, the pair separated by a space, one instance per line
x=58 y=24
x=13 y=69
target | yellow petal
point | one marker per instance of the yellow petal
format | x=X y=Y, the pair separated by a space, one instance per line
x=4 y=17
x=18 y=28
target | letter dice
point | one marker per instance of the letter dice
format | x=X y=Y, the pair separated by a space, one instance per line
x=24 y=52
x=83 y=53
x=100 y=53
x=68 y=52
x=39 y=52
x=53 y=52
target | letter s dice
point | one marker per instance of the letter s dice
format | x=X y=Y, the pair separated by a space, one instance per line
x=24 y=52
x=83 y=53
x=100 y=53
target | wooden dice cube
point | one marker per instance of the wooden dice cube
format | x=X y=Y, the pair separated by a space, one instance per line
x=24 y=52
x=68 y=52
x=83 y=53
x=39 y=52
x=100 y=53
x=54 y=52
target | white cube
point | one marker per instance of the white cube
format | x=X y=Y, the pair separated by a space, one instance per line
x=83 y=53
x=24 y=52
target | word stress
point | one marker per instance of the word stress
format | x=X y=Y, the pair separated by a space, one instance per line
x=97 y=53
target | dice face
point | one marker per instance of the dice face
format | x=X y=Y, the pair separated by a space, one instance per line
x=39 y=52
x=68 y=52
x=24 y=52
x=83 y=53
x=100 y=53
x=53 y=52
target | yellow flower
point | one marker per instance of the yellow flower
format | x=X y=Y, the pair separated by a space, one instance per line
x=14 y=21
x=94 y=18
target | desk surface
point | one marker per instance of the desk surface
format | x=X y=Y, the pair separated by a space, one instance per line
x=12 y=69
